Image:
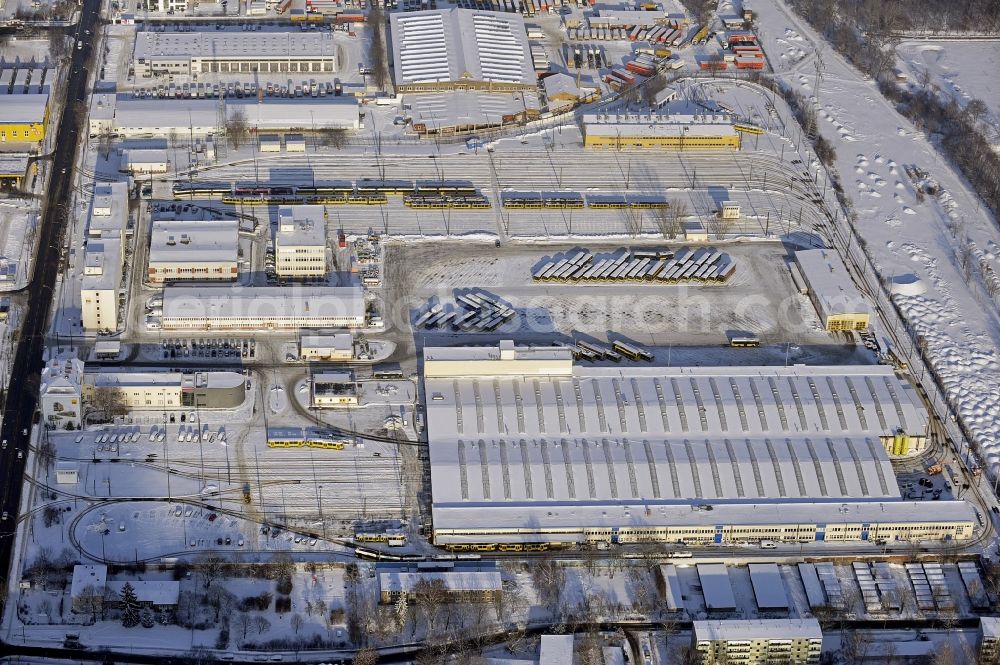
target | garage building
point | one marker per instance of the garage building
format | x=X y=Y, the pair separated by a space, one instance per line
x=262 y=308
x=571 y=453
x=172 y=53
x=839 y=304
x=461 y=49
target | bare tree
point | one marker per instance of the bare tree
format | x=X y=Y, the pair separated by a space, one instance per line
x=244 y=621
x=59 y=47
x=209 y=567
x=377 y=57
x=262 y=624
x=297 y=622
x=237 y=127
x=669 y=220
x=633 y=221
x=550 y=580
x=107 y=403
x=429 y=597
x=719 y=226
x=366 y=656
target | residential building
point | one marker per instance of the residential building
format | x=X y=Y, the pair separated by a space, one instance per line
x=61 y=396
x=839 y=304
x=87 y=588
x=989 y=640
x=758 y=642
x=193 y=250
x=104 y=257
x=155 y=594
x=300 y=245
x=230 y=51
x=461 y=586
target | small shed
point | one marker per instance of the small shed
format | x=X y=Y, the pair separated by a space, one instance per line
x=270 y=143
x=295 y=143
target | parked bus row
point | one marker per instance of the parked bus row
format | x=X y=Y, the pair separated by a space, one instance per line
x=475 y=312
x=590 y=351
x=706 y=264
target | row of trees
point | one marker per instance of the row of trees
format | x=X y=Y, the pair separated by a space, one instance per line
x=979 y=16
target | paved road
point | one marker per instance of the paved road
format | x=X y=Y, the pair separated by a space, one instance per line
x=22 y=394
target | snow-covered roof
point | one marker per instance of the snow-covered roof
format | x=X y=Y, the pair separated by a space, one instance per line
x=294 y=302
x=394 y=581
x=23 y=109
x=716 y=587
x=234 y=44
x=88 y=575
x=768 y=588
x=300 y=226
x=564 y=84
x=156 y=592
x=738 y=433
x=628 y=17
x=199 y=115
x=831 y=285
x=446 y=45
x=342 y=341
x=465 y=108
x=194 y=241
x=133 y=156
x=990 y=627
x=556 y=650
x=757 y=629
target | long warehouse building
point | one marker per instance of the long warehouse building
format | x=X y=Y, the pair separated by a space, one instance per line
x=262 y=308
x=230 y=52
x=560 y=453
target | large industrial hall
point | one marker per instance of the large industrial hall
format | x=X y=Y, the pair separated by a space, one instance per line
x=526 y=446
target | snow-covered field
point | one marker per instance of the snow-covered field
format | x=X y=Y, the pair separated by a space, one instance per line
x=907 y=232
x=962 y=70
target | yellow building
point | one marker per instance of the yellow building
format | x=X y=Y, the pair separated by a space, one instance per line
x=23 y=118
x=675 y=126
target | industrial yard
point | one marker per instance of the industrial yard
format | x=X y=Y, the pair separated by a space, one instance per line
x=575 y=333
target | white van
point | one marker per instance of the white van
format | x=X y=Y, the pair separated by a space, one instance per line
x=768 y=545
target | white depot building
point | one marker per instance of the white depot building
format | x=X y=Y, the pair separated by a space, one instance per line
x=262 y=308
x=173 y=53
x=193 y=249
x=300 y=250
x=104 y=257
x=185 y=118
x=526 y=447
x=461 y=49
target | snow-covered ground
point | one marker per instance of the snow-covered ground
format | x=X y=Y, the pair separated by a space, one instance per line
x=906 y=232
x=962 y=70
